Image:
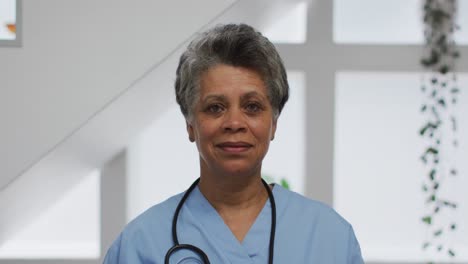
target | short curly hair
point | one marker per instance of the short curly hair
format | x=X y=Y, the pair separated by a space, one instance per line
x=238 y=45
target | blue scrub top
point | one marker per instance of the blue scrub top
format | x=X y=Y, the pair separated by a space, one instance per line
x=307 y=231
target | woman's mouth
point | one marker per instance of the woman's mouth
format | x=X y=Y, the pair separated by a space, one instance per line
x=234 y=147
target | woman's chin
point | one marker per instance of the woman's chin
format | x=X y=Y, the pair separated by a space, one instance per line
x=240 y=170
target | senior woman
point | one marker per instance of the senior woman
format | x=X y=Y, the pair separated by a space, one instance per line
x=231 y=86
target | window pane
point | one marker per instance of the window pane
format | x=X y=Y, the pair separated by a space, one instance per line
x=286 y=157
x=291 y=26
x=386 y=22
x=377 y=170
x=7 y=19
x=155 y=158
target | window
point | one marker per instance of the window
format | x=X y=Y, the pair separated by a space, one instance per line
x=378 y=173
x=291 y=26
x=393 y=22
x=10 y=22
x=286 y=157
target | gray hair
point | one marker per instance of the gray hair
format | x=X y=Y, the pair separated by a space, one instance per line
x=235 y=45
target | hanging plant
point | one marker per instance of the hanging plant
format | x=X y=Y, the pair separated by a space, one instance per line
x=440 y=89
x=283 y=181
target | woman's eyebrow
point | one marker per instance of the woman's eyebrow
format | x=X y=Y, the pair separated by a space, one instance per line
x=215 y=97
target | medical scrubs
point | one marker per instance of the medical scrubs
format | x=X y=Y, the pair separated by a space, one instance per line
x=307 y=231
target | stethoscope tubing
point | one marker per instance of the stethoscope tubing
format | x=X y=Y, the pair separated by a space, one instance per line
x=200 y=252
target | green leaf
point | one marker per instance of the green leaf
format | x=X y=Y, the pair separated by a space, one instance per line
x=442 y=38
x=455 y=90
x=444 y=69
x=450 y=204
x=426 y=245
x=423 y=158
x=423 y=108
x=441 y=102
x=431 y=198
x=451 y=253
x=427 y=220
x=453 y=226
x=438 y=233
x=432 y=150
x=432 y=174
x=429 y=126
x=285 y=184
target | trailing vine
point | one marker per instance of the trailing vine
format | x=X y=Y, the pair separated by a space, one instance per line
x=440 y=90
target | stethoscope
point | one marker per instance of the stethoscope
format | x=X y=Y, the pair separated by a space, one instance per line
x=200 y=252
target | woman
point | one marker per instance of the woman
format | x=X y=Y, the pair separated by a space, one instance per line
x=231 y=87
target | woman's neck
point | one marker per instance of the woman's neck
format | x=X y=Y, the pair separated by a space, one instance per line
x=238 y=201
x=233 y=192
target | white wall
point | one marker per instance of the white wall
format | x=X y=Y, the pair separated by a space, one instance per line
x=76 y=57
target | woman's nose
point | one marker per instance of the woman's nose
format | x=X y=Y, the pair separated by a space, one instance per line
x=234 y=121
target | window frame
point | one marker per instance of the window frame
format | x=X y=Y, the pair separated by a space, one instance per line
x=321 y=58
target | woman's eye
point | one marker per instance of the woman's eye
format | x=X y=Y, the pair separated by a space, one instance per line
x=216 y=108
x=253 y=108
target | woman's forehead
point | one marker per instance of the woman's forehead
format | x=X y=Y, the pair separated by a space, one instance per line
x=225 y=79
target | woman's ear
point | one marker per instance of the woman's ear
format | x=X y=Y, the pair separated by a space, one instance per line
x=273 y=129
x=190 y=131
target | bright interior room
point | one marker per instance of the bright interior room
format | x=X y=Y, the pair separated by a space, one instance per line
x=92 y=135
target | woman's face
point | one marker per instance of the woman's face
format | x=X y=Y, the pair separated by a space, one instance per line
x=232 y=122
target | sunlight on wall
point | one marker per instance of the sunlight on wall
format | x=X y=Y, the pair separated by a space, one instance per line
x=70 y=228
